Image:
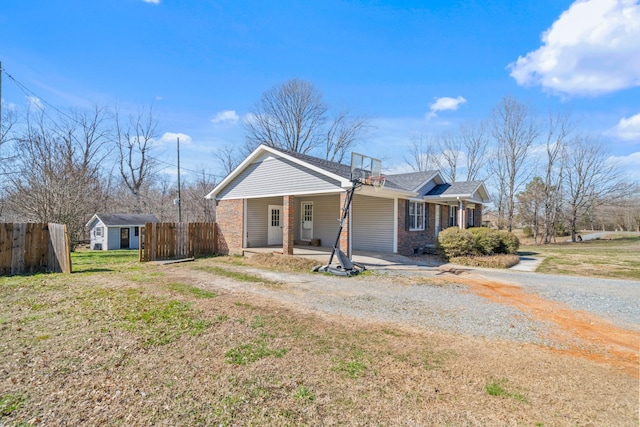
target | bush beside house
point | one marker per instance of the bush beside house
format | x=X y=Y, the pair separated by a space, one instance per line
x=465 y=246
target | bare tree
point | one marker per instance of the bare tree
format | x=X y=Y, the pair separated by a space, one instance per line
x=515 y=130
x=449 y=146
x=591 y=179
x=59 y=169
x=196 y=208
x=227 y=159
x=8 y=121
x=134 y=139
x=422 y=156
x=558 y=130
x=475 y=140
x=530 y=204
x=288 y=116
x=343 y=134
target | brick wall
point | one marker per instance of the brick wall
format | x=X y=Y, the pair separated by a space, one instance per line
x=230 y=221
x=288 y=206
x=410 y=241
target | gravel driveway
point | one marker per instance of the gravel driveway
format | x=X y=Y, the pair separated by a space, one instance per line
x=408 y=297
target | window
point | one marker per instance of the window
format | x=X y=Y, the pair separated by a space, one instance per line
x=416 y=216
x=453 y=216
x=98 y=231
x=471 y=213
x=275 y=217
x=136 y=231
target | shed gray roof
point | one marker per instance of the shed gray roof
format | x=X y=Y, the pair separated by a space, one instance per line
x=402 y=181
x=455 y=188
x=126 y=219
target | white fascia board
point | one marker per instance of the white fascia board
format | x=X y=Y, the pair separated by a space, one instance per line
x=455 y=198
x=93 y=218
x=298 y=194
x=388 y=193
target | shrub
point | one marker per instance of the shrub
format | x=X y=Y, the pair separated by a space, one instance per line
x=509 y=243
x=488 y=241
x=527 y=232
x=454 y=242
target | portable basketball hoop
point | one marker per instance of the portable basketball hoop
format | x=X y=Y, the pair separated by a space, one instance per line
x=365 y=170
x=377 y=181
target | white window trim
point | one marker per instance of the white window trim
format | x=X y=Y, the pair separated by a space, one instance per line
x=415 y=204
x=98 y=231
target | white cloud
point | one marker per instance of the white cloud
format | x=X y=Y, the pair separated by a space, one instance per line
x=629 y=165
x=227 y=116
x=171 y=137
x=628 y=128
x=152 y=1
x=36 y=102
x=592 y=49
x=445 y=103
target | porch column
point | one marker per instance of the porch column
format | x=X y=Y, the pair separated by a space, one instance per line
x=288 y=225
x=344 y=234
x=462 y=215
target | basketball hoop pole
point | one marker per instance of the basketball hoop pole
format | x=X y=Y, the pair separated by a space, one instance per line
x=345 y=214
x=362 y=168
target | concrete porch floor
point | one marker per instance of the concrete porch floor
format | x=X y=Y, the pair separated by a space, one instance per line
x=371 y=260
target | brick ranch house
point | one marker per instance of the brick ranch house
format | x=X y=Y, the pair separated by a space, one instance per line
x=279 y=198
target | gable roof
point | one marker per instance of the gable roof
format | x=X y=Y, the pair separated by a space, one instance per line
x=408 y=183
x=112 y=220
x=411 y=181
x=466 y=189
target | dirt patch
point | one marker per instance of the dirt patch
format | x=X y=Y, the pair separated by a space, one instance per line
x=579 y=333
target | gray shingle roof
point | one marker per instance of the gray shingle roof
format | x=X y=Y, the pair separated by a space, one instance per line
x=126 y=219
x=455 y=189
x=410 y=181
x=402 y=181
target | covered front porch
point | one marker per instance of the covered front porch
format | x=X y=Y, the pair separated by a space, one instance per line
x=372 y=260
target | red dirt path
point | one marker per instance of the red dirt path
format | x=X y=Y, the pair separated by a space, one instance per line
x=579 y=334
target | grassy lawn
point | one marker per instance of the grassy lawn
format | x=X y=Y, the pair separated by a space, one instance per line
x=123 y=343
x=618 y=258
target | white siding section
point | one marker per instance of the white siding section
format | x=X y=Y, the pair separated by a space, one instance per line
x=257 y=232
x=373 y=222
x=326 y=214
x=276 y=176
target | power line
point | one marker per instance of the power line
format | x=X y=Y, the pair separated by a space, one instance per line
x=31 y=94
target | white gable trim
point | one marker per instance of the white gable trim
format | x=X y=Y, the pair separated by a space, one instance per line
x=262 y=150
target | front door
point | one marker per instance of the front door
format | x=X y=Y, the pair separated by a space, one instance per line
x=124 y=238
x=306 y=229
x=274 y=232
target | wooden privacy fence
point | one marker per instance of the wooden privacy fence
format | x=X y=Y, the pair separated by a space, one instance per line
x=176 y=240
x=34 y=247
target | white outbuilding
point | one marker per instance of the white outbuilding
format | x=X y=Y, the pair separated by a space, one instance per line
x=117 y=231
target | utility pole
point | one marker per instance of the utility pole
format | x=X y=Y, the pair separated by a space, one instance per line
x=179 y=198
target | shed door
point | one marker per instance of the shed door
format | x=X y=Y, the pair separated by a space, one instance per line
x=274 y=233
x=124 y=238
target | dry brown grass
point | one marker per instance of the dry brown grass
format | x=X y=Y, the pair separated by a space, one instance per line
x=71 y=354
x=488 y=261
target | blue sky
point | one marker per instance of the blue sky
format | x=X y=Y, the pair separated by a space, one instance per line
x=412 y=67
